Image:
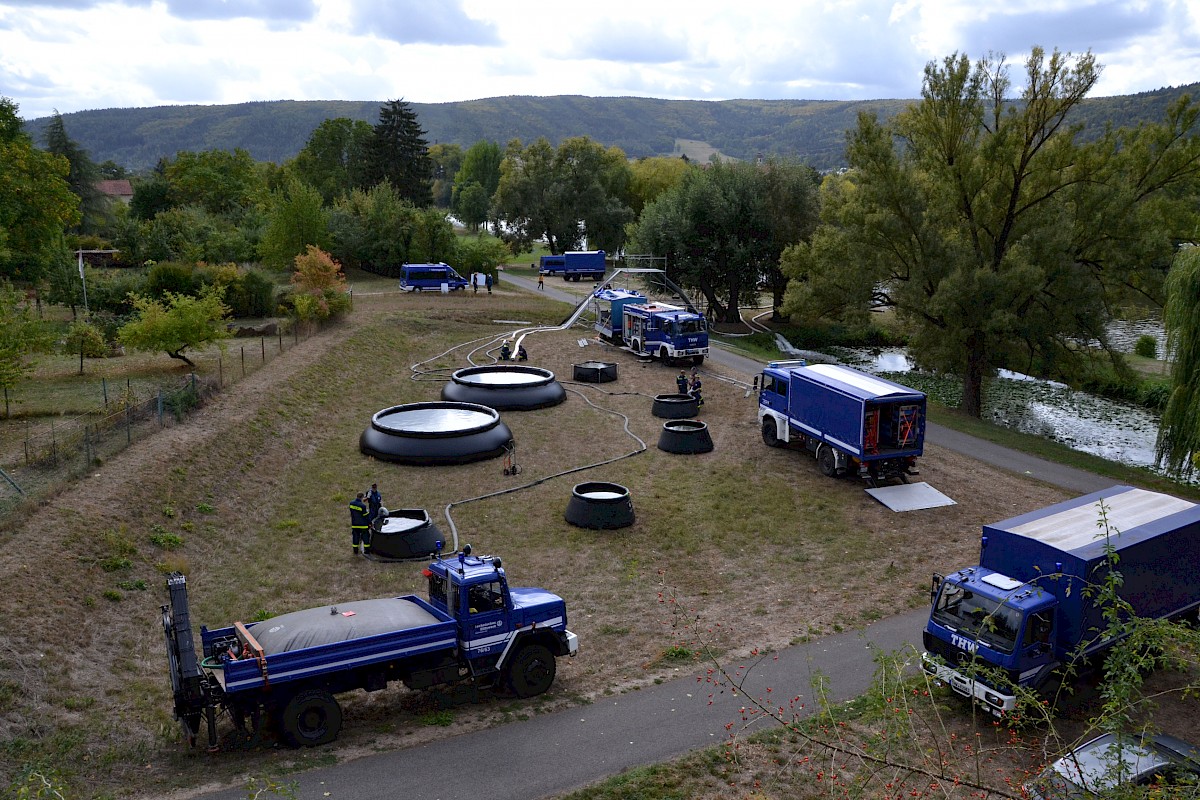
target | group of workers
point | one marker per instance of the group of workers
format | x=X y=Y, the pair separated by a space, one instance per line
x=506 y=353
x=691 y=388
x=366 y=509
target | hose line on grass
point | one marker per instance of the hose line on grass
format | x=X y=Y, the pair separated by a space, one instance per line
x=641 y=449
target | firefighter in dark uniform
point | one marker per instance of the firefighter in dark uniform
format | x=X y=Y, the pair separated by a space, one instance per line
x=360 y=534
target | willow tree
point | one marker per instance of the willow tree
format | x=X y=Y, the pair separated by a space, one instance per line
x=994 y=232
x=1179 y=433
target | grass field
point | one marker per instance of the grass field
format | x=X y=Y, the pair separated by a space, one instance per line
x=249 y=499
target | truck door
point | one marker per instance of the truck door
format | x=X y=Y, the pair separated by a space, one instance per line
x=485 y=618
x=1036 y=644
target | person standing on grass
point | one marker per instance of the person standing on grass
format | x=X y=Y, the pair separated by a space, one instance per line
x=374 y=501
x=359 y=532
x=541 y=280
x=488 y=280
x=681 y=382
x=695 y=388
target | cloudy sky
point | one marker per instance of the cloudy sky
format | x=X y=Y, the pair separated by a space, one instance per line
x=73 y=55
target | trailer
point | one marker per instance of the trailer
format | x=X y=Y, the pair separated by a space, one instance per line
x=1025 y=613
x=575 y=264
x=853 y=423
x=473 y=630
x=667 y=332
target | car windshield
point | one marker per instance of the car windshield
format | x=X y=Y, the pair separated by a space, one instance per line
x=989 y=622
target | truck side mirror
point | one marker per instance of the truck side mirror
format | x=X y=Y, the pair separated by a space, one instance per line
x=934 y=585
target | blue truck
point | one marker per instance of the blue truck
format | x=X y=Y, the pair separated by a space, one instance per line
x=1021 y=615
x=474 y=631
x=853 y=423
x=667 y=332
x=575 y=264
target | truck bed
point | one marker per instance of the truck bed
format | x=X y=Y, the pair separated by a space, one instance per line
x=306 y=644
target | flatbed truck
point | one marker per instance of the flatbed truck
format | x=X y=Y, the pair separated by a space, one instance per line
x=474 y=630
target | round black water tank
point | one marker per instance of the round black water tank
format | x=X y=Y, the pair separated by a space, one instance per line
x=405 y=533
x=434 y=434
x=600 y=505
x=674 y=406
x=595 y=371
x=685 y=437
x=505 y=387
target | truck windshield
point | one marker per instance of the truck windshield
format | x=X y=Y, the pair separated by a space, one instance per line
x=966 y=612
x=691 y=326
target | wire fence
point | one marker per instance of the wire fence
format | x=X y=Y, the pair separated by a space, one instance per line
x=38 y=456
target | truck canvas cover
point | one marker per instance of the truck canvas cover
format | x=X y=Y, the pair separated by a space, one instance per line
x=340 y=623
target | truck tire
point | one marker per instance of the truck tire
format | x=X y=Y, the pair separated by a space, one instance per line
x=312 y=717
x=697 y=360
x=827 y=462
x=531 y=671
x=770 y=433
x=664 y=355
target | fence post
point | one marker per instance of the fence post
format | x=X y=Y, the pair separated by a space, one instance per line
x=262 y=340
x=87 y=445
x=129 y=423
x=104 y=388
x=281 y=341
x=220 y=372
x=160 y=407
x=243 y=361
x=53 y=443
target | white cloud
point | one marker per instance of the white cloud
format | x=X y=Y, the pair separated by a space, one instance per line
x=74 y=54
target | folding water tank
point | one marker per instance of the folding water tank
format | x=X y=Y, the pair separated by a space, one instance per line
x=685 y=437
x=675 y=406
x=505 y=387
x=599 y=505
x=433 y=434
x=595 y=371
x=405 y=533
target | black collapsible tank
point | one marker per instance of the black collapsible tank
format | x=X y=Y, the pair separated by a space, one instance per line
x=505 y=387
x=435 y=434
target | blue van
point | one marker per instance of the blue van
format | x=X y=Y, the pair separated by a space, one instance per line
x=415 y=277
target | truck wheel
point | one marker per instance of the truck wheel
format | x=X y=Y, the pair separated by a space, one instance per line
x=664 y=355
x=826 y=462
x=531 y=671
x=770 y=433
x=697 y=360
x=311 y=718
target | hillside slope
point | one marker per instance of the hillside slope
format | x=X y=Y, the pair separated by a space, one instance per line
x=811 y=130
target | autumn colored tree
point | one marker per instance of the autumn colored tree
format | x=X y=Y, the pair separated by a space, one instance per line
x=320 y=290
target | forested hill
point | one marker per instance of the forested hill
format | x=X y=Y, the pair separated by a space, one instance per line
x=812 y=130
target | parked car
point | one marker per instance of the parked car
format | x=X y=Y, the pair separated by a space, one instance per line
x=1107 y=761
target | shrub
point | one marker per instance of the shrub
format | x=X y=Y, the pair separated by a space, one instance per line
x=82 y=335
x=1146 y=347
x=171 y=276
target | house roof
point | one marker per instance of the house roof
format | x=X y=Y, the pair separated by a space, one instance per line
x=122 y=188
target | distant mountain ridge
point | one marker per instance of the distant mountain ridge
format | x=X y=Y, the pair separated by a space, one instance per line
x=811 y=130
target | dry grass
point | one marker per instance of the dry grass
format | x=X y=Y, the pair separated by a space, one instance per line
x=256 y=486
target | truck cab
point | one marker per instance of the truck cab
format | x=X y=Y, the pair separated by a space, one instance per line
x=666 y=332
x=981 y=619
x=492 y=617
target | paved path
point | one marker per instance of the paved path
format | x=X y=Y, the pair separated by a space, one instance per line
x=556 y=753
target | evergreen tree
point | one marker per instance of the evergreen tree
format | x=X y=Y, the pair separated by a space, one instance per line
x=399 y=154
x=82 y=177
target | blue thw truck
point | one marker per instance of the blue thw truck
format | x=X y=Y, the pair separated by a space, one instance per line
x=853 y=423
x=1023 y=612
x=474 y=630
x=575 y=264
x=667 y=332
